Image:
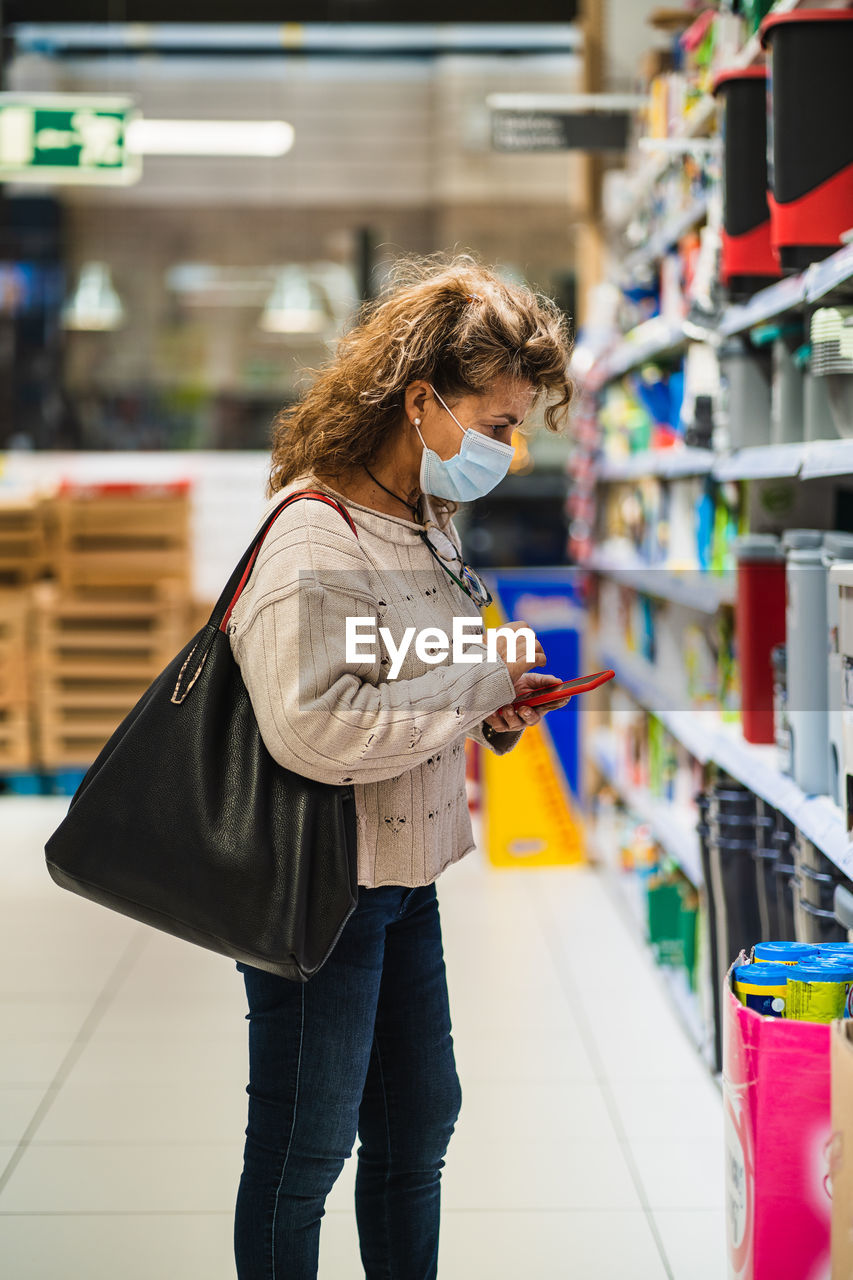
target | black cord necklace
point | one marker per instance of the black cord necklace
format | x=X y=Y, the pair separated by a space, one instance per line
x=413 y=509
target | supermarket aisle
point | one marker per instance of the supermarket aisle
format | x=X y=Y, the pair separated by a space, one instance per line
x=590 y=1139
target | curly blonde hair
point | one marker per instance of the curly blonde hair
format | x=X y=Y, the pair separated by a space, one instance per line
x=453 y=323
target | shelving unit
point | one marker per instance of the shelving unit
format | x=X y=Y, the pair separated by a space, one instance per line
x=703 y=592
x=762 y=462
x=791 y=294
x=657 y=338
x=644 y=500
x=652 y=340
x=675 y=831
x=665 y=239
x=808 y=460
x=702 y=114
x=710 y=739
x=670 y=463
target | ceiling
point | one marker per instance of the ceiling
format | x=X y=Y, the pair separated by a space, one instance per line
x=400 y=132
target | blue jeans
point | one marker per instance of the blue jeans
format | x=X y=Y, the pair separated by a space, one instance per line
x=363 y=1048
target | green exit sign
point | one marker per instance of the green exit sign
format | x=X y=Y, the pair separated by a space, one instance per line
x=66 y=138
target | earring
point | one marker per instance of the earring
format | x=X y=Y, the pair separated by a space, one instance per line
x=417 y=422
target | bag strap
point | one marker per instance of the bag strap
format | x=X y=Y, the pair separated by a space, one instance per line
x=235 y=584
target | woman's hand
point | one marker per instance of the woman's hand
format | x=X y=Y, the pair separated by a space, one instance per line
x=517 y=669
x=505 y=718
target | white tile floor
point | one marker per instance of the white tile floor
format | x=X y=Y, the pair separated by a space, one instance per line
x=590 y=1138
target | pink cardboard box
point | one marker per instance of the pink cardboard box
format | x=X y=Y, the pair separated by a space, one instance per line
x=776 y=1096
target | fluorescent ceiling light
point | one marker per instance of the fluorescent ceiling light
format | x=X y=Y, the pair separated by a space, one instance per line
x=303 y=37
x=210 y=137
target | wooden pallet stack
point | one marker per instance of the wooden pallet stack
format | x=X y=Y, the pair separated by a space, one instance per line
x=114 y=537
x=16 y=742
x=114 y=616
x=22 y=540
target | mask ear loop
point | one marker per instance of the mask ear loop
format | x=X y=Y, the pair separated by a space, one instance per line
x=447 y=409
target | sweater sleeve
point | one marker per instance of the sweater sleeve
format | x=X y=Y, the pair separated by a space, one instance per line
x=318 y=713
x=498 y=741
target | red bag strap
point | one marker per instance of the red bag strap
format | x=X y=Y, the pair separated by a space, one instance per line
x=262 y=533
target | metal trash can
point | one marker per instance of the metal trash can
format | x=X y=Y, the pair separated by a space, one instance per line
x=766 y=857
x=784 y=871
x=814 y=884
x=732 y=819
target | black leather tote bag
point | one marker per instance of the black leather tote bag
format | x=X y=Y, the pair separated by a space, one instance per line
x=186 y=822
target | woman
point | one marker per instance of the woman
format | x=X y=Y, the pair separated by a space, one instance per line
x=414 y=414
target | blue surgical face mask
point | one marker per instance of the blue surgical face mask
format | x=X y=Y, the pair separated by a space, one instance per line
x=471 y=473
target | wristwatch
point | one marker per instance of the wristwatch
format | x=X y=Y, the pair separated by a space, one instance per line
x=490 y=732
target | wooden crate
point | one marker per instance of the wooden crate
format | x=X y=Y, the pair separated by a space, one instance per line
x=16 y=740
x=94 y=658
x=16 y=744
x=22 y=540
x=122 y=535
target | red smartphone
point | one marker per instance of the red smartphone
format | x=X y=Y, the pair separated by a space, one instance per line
x=568 y=688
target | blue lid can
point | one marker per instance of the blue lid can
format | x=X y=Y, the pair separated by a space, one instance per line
x=783 y=952
x=844 y=949
x=823 y=969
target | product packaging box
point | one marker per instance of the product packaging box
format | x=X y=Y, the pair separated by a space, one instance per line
x=776 y=1095
x=841 y=1152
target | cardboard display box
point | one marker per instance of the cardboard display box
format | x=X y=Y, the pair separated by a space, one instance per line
x=841 y=1151
x=776 y=1095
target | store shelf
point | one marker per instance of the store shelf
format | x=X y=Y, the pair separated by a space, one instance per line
x=654 y=339
x=674 y=830
x=697 y=122
x=708 y=738
x=809 y=460
x=762 y=462
x=820 y=279
x=828 y=458
x=666 y=463
x=833 y=273
x=657 y=339
x=764 y=305
x=700 y=117
x=660 y=242
x=692 y=728
x=693 y=588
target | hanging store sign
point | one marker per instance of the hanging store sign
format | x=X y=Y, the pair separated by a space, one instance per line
x=559 y=131
x=66 y=138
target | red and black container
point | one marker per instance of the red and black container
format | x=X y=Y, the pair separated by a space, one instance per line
x=809 y=133
x=759 y=626
x=748 y=261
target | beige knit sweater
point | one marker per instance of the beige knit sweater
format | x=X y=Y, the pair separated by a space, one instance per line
x=401 y=741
